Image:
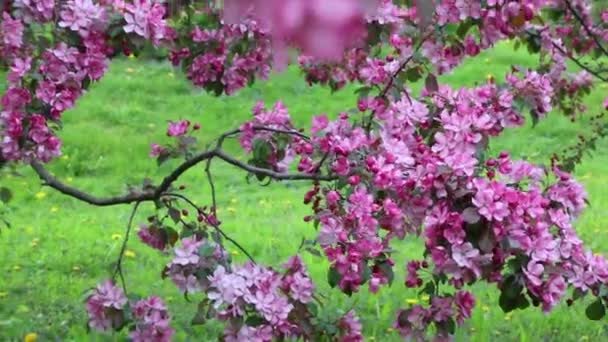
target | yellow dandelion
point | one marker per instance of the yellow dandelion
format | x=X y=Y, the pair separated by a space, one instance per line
x=129 y=253
x=411 y=301
x=69 y=179
x=235 y=253
x=54 y=209
x=40 y=195
x=116 y=236
x=76 y=268
x=16 y=268
x=3 y=294
x=130 y=70
x=231 y=210
x=490 y=77
x=30 y=337
x=424 y=298
x=65 y=157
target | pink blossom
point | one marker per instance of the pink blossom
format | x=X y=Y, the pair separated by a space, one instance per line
x=105 y=306
x=82 y=16
x=146 y=19
x=12 y=31
x=151 y=321
x=178 y=128
x=152 y=237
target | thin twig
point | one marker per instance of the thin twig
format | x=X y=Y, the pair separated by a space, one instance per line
x=573 y=59
x=212 y=186
x=118 y=269
x=212 y=223
x=391 y=81
x=586 y=28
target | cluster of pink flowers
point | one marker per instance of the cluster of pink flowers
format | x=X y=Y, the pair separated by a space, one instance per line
x=40 y=11
x=405 y=164
x=82 y=16
x=413 y=322
x=151 y=321
x=192 y=261
x=319 y=28
x=278 y=155
x=251 y=288
x=146 y=18
x=106 y=309
x=227 y=58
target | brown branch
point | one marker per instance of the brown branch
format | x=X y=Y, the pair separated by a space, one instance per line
x=65 y=189
x=154 y=193
x=270 y=173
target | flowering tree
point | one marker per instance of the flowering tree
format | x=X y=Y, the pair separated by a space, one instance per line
x=402 y=164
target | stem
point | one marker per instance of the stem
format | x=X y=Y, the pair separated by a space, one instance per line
x=118 y=269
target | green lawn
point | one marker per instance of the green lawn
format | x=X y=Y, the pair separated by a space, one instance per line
x=59 y=247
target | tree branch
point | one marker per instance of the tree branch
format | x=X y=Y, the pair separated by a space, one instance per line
x=154 y=193
x=213 y=224
x=586 y=28
x=270 y=173
x=595 y=73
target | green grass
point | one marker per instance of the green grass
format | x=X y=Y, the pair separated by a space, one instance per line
x=59 y=247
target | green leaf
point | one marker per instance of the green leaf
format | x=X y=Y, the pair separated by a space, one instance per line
x=261 y=150
x=596 y=310
x=387 y=269
x=464 y=28
x=413 y=74
x=313 y=251
x=429 y=289
x=201 y=313
x=206 y=250
x=333 y=277
x=431 y=83
x=5 y=194
x=174 y=214
x=255 y=321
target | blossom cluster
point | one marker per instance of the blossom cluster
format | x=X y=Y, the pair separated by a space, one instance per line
x=107 y=308
x=194 y=260
x=403 y=163
x=225 y=58
x=44 y=83
x=251 y=288
x=413 y=322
